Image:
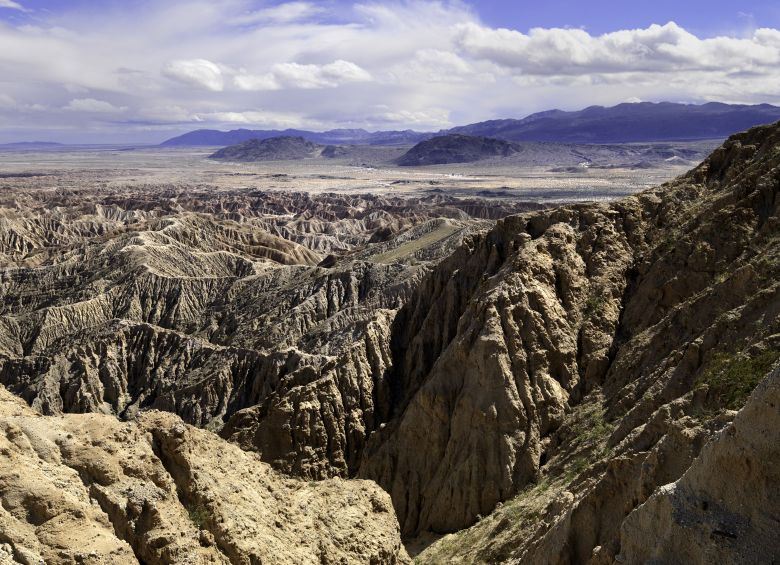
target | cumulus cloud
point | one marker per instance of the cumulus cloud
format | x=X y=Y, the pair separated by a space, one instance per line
x=296 y=75
x=201 y=73
x=429 y=117
x=390 y=65
x=247 y=117
x=93 y=106
x=437 y=65
x=12 y=5
x=659 y=48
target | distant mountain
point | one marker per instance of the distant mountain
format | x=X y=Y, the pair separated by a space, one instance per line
x=30 y=145
x=625 y=123
x=273 y=149
x=456 y=148
x=211 y=137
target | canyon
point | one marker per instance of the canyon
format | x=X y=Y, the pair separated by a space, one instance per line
x=246 y=371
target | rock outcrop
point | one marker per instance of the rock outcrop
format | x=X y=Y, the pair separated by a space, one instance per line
x=281 y=148
x=724 y=508
x=456 y=148
x=687 y=321
x=87 y=488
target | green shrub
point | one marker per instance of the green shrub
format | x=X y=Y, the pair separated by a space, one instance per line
x=731 y=378
x=198 y=515
x=595 y=304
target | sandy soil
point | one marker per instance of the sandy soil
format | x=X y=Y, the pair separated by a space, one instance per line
x=370 y=170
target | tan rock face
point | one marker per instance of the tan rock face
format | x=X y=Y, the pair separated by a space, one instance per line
x=640 y=302
x=724 y=508
x=699 y=316
x=91 y=489
x=205 y=304
x=489 y=365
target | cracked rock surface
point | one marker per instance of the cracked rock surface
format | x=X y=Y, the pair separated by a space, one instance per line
x=91 y=489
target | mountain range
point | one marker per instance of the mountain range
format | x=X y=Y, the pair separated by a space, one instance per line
x=211 y=137
x=624 y=123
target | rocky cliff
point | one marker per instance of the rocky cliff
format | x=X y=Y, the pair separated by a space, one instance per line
x=92 y=489
x=527 y=383
x=596 y=379
x=724 y=507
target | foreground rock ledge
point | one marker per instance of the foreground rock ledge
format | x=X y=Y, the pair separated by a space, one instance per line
x=724 y=509
x=87 y=488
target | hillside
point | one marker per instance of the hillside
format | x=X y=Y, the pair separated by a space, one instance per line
x=628 y=123
x=624 y=123
x=455 y=148
x=606 y=347
x=272 y=149
x=211 y=138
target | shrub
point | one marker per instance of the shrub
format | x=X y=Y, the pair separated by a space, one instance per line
x=198 y=515
x=732 y=377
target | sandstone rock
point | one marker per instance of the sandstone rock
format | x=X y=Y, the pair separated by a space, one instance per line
x=724 y=507
x=564 y=364
x=695 y=325
x=88 y=488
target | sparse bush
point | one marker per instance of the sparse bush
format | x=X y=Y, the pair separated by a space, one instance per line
x=198 y=515
x=592 y=423
x=595 y=304
x=732 y=377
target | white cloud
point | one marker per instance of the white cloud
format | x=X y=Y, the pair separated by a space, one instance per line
x=296 y=75
x=195 y=72
x=283 y=13
x=659 y=48
x=437 y=65
x=390 y=65
x=436 y=118
x=257 y=118
x=12 y=5
x=257 y=82
x=93 y=106
x=167 y=114
x=6 y=101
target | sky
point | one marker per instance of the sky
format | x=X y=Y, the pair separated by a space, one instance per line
x=141 y=71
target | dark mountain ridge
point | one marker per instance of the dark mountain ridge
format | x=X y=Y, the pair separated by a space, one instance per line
x=28 y=145
x=210 y=137
x=271 y=149
x=624 y=123
x=627 y=123
x=456 y=148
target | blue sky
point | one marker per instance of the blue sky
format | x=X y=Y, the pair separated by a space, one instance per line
x=703 y=17
x=141 y=71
